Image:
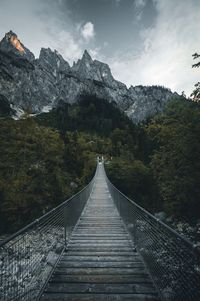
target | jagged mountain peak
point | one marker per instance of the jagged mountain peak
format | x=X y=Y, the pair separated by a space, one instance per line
x=38 y=85
x=49 y=52
x=86 y=57
x=53 y=60
x=12 y=44
x=12 y=38
x=83 y=65
x=95 y=70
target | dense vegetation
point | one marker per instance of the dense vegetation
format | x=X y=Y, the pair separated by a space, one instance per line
x=169 y=173
x=47 y=158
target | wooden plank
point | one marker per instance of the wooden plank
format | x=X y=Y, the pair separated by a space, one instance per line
x=101 y=278
x=100 y=271
x=100 y=249
x=101 y=219
x=100 y=264
x=91 y=258
x=101 y=216
x=99 y=240
x=99 y=232
x=100 y=235
x=119 y=288
x=97 y=244
x=99 y=253
x=98 y=297
x=98 y=226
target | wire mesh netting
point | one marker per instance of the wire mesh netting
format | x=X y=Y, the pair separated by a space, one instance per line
x=28 y=257
x=172 y=260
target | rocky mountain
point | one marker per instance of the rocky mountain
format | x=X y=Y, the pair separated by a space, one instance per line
x=37 y=85
x=147 y=101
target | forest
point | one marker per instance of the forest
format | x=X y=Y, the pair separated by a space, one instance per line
x=47 y=158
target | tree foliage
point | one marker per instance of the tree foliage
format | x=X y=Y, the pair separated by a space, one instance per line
x=175 y=162
x=156 y=164
x=196 y=93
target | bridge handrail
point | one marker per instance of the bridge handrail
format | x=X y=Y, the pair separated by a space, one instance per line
x=36 y=221
x=196 y=247
x=171 y=259
x=28 y=256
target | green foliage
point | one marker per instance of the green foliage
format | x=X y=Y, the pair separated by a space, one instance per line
x=91 y=114
x=164 y=172
x=196 y=93
x=156 y=164
x=32 y=175
x=36 y=170
x=175 y=162
x=134 y=179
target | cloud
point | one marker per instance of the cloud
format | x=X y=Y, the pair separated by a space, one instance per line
x=167 y=48
x=165 y=57
x=22 y=18
x=87 y=31
x=139 y=5
x=41 y=24
x=66 y=45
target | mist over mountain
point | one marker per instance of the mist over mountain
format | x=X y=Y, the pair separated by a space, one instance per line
x=38 y=85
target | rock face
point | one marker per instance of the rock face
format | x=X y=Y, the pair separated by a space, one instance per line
x=37 y=85
x=11 y=44
x=148 y=101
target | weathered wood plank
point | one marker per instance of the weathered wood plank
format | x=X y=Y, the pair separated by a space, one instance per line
x=100 y=231
x=100 y=271
x=100 y=262
x=101 y=278
x=98 y=239
x=101 y=249
x=100 y=236
x=105 y=258
x=99 y=297
x=96 y=244
x=119 y=288
x=99 y=253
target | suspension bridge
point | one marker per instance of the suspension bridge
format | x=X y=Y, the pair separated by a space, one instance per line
x=99 y=245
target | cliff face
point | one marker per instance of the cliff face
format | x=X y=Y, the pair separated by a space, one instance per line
x=37 y=85
x=148 y=101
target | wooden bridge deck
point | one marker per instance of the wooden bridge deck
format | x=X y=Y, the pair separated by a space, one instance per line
x=100 y=262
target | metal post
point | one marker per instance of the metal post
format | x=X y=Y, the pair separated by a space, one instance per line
x=135 y=232
x=65 y=225
x=118 y=204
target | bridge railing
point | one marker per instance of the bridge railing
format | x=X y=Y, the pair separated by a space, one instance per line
x=27 y=257
x=172 y=261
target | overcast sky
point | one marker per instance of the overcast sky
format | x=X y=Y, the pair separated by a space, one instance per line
x=144 y=41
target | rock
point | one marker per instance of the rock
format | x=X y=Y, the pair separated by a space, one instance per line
x=73 y=185
x=20 y=268
x=38 y=85
x=169 y=219
x=11 y=44
x=5 y=107
x=161 y=216
x=51 y=258
x=148 y=101
x=59 y=248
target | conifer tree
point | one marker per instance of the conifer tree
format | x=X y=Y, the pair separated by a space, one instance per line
x=196 y=93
